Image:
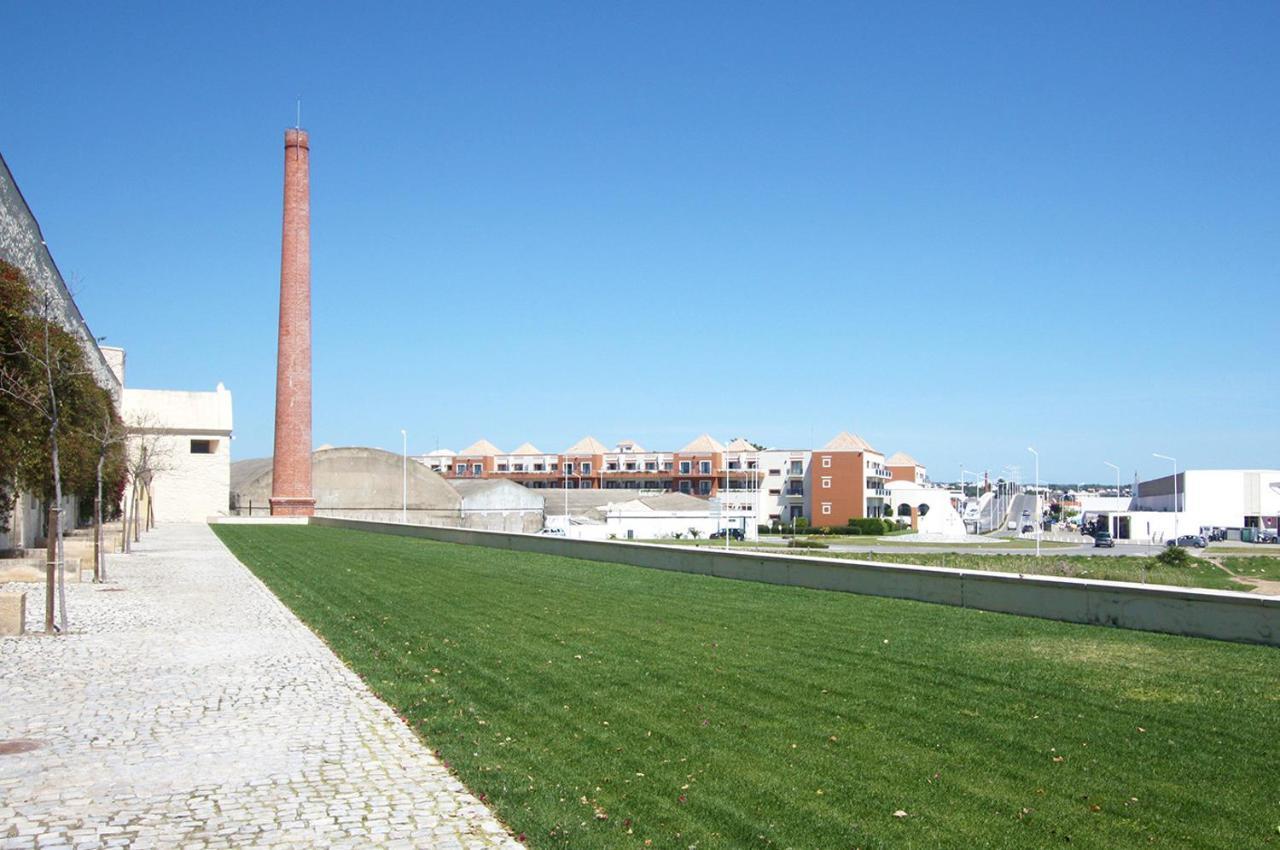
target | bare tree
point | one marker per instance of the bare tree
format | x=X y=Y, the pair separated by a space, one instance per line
x=108 y=435
x=145 y=456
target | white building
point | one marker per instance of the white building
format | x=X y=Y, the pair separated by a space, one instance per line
x=930 y=509
x=1205 y=499
x=189 y=436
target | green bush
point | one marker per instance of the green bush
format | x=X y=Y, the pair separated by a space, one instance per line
x=869 y=525
x=1174 y=556
x=802 y=522
x=806 y=544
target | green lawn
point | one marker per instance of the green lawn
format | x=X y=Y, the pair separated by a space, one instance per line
x=1110 y=568
x=603 y=706
x=1254 y=566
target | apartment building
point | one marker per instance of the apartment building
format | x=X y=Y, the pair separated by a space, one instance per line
x=846 y=481
x=779 y=485
x=903 y=467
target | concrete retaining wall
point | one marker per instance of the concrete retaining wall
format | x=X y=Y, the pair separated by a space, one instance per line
x=1218 y=614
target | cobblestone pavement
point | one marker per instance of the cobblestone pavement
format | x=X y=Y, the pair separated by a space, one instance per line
x=191 y=709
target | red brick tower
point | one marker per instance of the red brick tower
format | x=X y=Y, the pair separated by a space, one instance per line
x=291 y=465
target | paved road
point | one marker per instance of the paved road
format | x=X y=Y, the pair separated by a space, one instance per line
x=191 y=709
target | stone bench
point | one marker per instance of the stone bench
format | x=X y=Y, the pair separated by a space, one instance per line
x=13 y=612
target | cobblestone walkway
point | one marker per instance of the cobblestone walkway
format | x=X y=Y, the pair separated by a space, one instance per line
x=191 y=709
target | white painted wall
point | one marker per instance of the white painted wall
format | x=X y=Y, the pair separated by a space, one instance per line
x=187 y=487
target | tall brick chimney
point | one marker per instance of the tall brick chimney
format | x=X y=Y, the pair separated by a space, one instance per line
x=291 y=465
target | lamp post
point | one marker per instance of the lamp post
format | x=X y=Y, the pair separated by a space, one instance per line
x=1175 y=491
x=1116 y=528
x=404 y=478
x=1037 y=497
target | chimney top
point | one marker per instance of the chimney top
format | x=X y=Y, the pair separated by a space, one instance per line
x=294 y=138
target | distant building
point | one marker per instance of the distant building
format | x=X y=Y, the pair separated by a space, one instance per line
x=846 y=481
x=1234 y=499
x=903 y=467
x=373 y=484
x=190 y=435
x=770 y=485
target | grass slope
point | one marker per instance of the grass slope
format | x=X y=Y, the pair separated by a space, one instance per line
x=1199 y=573
x=601 y=706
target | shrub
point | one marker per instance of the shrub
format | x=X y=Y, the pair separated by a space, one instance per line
x=806 y=544
x=765 y=529
x=869 y=525
x=1174 y=556
x=802 y=522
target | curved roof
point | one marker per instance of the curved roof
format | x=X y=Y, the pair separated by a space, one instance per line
x=354 y=478
x=703 y=445
x=846 y=442
x=901 y=459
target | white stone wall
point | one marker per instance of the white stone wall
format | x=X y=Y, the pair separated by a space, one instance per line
x=186 y=486
x=190 y=487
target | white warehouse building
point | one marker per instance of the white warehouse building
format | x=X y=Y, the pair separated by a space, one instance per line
x=1205 y=499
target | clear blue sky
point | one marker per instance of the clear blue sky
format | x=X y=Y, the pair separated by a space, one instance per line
x=955 y=231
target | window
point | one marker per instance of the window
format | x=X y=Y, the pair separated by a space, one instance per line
x=519 y=467
x=666 y=466
x=733 y=464
x=826 y=509
x=477 y=468
x=826 y=482
x=704 y=466
x=538 y=467
x=502 y=467
x=704 y=488
x=631 y=466
x=611 y=466
x=797 y=467
x=586 y=485
x=685 y=467
x=586 y=468
x=751 y=464
x=826 y=461
x=204 y=447
x=775 y=492
x=555 y=467
x=650 y=466
x=775 y=472
x=568 y=469
x=684 y=487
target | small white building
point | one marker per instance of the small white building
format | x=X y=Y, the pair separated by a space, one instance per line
x=189 y=437
x=931 y=509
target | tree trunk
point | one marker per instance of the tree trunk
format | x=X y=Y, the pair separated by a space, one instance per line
x=98 y=557
x=62 y=561
x=124 y=524
x=50 y=567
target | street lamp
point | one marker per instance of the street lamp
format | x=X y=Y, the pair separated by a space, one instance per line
x=1175 y=491
x=1038 y=517
x=404 y=478
x=1117 y=469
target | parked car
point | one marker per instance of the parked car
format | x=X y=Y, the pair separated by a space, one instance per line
x=1189 y=540
x=1264 y=536
x=734 y=534
x=1027 y=529
x=1103 y=540
x=1012 y=526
